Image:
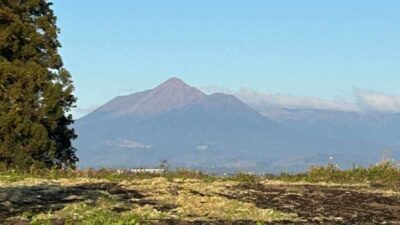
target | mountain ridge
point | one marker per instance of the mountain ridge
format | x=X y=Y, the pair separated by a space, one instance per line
x=172 y=94
x=180 y=123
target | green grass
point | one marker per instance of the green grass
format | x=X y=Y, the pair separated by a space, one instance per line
x=245 y=178
x=87 y=213
x=83 y=214
x=386 y=172
x=108 y=174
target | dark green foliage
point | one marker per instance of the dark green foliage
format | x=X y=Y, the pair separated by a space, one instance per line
x=35 y=89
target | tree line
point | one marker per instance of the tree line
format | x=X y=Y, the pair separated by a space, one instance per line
x=36 y=91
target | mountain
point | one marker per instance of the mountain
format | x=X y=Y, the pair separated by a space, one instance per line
x=366 y=136
x=218 y=132
x=171 y=95
x=176 y=122
x=379 y=127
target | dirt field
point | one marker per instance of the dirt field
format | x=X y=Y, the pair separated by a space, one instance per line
x=162 y=201
x=318 y=204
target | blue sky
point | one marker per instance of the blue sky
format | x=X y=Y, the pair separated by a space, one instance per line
x=298 y=48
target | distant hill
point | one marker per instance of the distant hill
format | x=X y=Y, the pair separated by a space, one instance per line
x=218 y=132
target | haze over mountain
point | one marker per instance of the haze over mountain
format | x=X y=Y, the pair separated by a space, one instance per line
x=219 y=132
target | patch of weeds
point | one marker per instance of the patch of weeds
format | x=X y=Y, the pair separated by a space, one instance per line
x=148 y=212
x=86 y=214
x=14 y=175
x=27 y=215
x=42 y=219
x=245 y=178
x=386 y=172
x=188 y=174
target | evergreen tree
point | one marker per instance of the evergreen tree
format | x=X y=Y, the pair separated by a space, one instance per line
x=35 y=89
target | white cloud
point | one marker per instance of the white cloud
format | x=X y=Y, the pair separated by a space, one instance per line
x=377 y=101
x=125 y=143
x=202 y=147
x=288 y=101
x=359 y=101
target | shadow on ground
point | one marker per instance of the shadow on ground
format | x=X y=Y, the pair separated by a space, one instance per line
x=15 y=201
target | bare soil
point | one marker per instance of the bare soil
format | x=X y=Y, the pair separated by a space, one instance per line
x=318 y=204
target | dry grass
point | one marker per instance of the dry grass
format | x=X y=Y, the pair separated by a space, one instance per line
x=163 y=198
x=201 y=200
x=183 y=195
